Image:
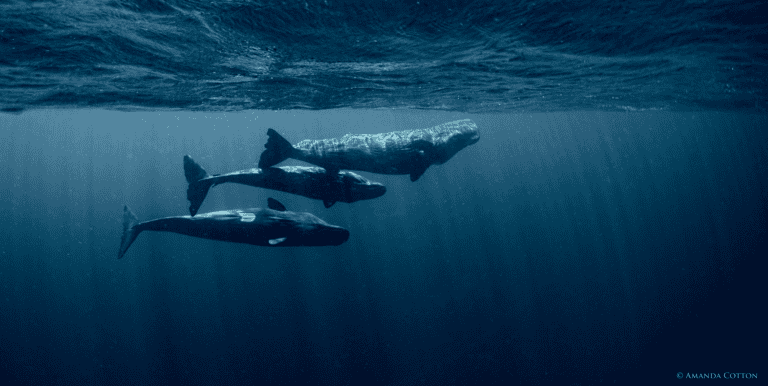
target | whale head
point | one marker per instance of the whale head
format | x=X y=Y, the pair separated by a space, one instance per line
x=312 y=231
x=331 y=235
x=450 y=138
x=278 y=227
x=359 y=188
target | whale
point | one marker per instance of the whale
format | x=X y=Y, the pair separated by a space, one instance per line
x=308 y=181
x=273 y=226
x=399 y=152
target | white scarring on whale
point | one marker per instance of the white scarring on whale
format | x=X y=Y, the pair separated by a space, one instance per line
x=399 y=152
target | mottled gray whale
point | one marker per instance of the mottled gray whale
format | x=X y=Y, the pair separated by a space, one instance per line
x=307 y=181
x=273 y=227
x=400 y=152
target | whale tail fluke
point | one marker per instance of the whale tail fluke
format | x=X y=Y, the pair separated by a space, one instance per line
x=130 y=232
x=198 y=185
x=278 y=149
x=193 y=171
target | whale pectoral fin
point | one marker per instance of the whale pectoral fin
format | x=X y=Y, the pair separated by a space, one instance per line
x=277 y=241
x=418 y=171
x=275 y=205
x=328 y=203
x=421 y=165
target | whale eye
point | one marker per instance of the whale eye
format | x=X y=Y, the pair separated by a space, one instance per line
x=247 y=217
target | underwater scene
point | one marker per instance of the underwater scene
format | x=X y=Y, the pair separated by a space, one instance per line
x=383 y=192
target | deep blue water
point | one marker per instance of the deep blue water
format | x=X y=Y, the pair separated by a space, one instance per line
x=562 y=248
x=610 y=226
x=473 y=56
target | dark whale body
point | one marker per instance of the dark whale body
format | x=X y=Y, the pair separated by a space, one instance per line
x=307 y=181
x=400 y=152
x=272 y=227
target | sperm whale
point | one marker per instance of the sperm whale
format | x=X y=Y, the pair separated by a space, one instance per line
x=400 y=152
x=272 y=227
x=308 y=181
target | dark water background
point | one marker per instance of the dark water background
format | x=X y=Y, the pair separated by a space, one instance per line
x=562 y=248
x=608 y=228
x=473 y=56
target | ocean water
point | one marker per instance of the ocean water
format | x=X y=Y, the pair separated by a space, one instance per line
x=471 y=56
x=610 y=226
